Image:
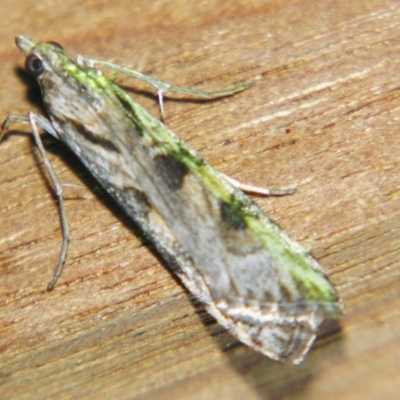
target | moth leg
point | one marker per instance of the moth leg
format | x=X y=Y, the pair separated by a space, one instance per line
x=42 y=121
x=58 y=189
x=161 y=86
x=10 y=118
x=258 y=189
x=35 y=120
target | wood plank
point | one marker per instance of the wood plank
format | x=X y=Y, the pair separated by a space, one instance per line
x=323 y=116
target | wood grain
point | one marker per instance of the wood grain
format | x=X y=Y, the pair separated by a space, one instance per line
x=323 y=116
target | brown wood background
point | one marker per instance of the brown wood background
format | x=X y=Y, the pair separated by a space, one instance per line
x=324 y=117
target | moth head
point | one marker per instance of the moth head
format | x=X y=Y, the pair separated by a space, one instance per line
x=36 y=53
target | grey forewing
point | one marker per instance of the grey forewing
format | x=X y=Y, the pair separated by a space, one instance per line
x=215 y=239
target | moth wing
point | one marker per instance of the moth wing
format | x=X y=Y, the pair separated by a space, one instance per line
x=227 y=266
x=281 y=330
x=248 y=286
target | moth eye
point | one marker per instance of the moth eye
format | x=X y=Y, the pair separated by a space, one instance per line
x=34 y=65
x=55 y=44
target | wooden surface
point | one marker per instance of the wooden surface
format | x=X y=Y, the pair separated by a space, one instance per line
x=324 y=117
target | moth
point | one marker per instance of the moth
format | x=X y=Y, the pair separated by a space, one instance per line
x=252 y=278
